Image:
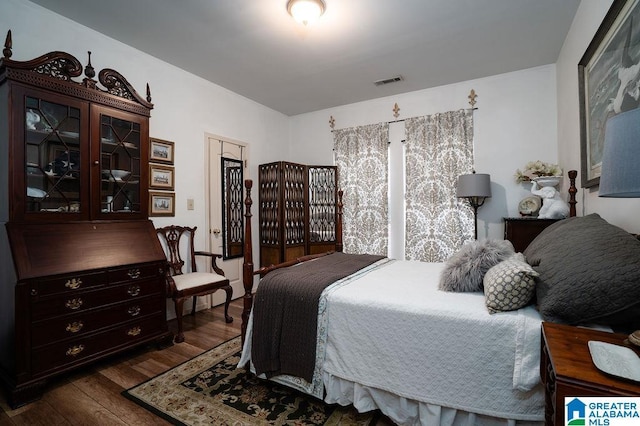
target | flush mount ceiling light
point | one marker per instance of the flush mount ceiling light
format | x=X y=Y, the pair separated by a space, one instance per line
x=305 y=11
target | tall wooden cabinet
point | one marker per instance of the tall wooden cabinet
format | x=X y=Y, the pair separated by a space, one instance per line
x=297 y=213
x=74 y=158
x=82 y=270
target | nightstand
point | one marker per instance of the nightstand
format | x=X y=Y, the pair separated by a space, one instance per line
x=566 y=368
x=522 y=230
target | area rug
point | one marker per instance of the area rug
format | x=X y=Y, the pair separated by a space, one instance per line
x=210 y=390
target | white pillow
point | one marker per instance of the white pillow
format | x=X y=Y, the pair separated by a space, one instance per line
x=509 y=285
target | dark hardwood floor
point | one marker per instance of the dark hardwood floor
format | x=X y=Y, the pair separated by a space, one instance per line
x=91 y=396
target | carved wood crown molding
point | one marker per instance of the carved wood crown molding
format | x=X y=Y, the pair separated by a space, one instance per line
x=56 y=70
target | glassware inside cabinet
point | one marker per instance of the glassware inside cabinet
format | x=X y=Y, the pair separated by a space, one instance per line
x=120 y=162
x=52 y=154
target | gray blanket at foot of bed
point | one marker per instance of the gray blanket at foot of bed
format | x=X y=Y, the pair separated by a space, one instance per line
x=285 y=313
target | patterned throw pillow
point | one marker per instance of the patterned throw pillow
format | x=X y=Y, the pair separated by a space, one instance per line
x=509 y=285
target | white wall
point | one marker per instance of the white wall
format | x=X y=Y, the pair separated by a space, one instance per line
x=515 y=123
x=521 y=116
x=185 y=106
x=621 y=212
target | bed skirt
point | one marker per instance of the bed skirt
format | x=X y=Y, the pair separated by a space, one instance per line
x=407 y=412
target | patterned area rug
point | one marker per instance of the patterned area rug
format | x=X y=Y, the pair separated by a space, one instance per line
x=209 y=390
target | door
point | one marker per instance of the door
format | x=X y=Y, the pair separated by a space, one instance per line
x=123 y=173
x=226 y=229
x=50 y=155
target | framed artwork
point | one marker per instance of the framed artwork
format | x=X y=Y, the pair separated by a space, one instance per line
x=160 y=151
x=162 y=203
x=161 y=177
x=609 y=80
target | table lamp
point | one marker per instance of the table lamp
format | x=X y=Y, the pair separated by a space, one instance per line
x=620 y=172
x=475 y=187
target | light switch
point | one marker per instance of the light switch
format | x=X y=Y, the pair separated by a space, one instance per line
x=189 y=203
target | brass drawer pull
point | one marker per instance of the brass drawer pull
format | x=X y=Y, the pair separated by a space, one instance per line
x=74 y=327
x=74 y=304
x=75 y=350
x=134 y=273
x=73 y=283
x=134 y=311
x=134 y=331
x=134 y=290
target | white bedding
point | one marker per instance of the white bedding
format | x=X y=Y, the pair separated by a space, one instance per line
x=395 y=342
x=395 y=331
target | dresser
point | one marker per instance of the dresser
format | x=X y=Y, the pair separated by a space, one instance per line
x=81 y=267
x=567 y=370
x=522 y=230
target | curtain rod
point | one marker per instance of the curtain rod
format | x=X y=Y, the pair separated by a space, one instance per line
x=404 y=119
x=395 y=121
x=396 y=111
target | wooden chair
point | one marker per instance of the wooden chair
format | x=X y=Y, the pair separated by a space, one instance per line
x=184 y=284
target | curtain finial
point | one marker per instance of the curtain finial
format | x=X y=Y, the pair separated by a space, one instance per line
x=472 y=98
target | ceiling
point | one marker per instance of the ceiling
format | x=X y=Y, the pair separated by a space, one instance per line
x=254 y=48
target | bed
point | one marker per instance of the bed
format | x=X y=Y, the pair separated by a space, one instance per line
x=387 y=337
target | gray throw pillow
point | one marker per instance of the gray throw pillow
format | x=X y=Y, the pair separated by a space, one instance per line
x=464 y=271
x=509 y=285
x=589 y=273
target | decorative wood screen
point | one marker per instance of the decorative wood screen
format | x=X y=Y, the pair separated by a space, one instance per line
x=322 y=204
x=294 y=181
x=269 y=201
x=297 y=210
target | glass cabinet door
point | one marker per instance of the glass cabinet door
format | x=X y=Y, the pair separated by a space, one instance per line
x=121 y=158
x=54 y=145
x=76 y=161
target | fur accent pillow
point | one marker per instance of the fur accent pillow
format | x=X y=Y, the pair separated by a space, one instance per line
x=509 y=285
x=464 y=271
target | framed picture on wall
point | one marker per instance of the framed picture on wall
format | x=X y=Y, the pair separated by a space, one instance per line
x=161 y=177
x=609 y=82
x=160 y=151
x=162 y=203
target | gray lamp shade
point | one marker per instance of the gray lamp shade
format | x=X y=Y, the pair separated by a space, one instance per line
x=620 y=172
x=474 y=185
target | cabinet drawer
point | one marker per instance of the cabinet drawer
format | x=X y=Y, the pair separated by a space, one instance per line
x=45 y=308
x=76 y=351
x=135 y=273
x=68 y=283
x=76 y=325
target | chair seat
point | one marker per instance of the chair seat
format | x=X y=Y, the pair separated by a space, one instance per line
x=189 y=283
x=196 y=279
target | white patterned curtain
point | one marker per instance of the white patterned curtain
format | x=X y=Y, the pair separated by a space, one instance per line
x=362 y=158
x=438 y=149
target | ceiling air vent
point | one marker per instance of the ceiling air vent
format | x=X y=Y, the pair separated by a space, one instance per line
x=388 y=80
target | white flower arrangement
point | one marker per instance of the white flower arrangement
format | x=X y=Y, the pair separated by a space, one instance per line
x=534 y=169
